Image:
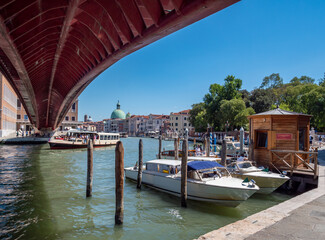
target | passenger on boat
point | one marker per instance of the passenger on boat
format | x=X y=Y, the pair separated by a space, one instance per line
x=241 y=158
x=198 y=151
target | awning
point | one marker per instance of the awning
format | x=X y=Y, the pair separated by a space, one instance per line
x=199 y=165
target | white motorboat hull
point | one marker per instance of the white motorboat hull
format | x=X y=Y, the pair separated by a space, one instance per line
x=268 y=182
x=208 y=191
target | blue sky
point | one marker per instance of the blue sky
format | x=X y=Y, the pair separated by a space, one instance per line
x=250 y=39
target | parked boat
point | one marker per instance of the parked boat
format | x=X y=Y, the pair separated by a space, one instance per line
x=124 y=135
x=233 y=148
x=207 y=181
x=266 y=180
x=170 y=154
x=78 y=139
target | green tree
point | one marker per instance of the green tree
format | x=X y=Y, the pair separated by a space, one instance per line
x=293 y=96
x=217 y=93
x=314 y=102
x=245 y=95
x=235 y=112
x=302 y=80
x=198 y=117
x=272 y=81
x=283 y=106
x=261 y=100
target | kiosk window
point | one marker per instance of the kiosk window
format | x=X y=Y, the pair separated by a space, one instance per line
x=261 y=139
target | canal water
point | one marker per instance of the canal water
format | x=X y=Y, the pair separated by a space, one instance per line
x=42 y=196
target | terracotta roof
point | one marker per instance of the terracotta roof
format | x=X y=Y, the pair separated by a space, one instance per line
x=184 y=112
x=139 y=116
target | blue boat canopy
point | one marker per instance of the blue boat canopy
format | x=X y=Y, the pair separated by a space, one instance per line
x=199 y=165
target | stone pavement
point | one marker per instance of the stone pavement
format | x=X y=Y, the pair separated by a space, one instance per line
x=306 y=222
x=302 y=217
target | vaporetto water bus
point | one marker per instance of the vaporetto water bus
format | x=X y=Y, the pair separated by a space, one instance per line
x=79 y=139
x=207 y=181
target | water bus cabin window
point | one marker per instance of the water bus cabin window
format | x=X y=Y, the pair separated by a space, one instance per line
x=105 y=137
x=261 y=139
x=101 y=137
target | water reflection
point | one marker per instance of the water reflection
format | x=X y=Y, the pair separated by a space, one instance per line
x=25 y=212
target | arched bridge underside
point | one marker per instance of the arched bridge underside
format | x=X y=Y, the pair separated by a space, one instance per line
x=50 y=50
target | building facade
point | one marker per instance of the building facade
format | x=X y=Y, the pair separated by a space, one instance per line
x=179 y=122
x=8 y=108
x=71 y=118
x=154 y=124
x=137 y=125
x=23 y=122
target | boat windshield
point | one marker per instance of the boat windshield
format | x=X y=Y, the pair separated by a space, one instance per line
x=237 y=145
x=208 y=174
x=213 y=173
x=244 y=165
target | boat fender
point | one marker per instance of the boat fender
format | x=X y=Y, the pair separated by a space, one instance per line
x=252 y=183
x=283 y=174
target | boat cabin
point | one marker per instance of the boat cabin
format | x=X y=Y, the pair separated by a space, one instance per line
x=164 y=166
x=171 y=153
x=196 y=170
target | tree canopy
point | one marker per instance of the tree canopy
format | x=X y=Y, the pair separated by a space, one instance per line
x=228 y=102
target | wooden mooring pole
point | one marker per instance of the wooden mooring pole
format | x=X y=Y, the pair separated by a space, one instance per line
x=90 y=149
x=159 y=151
x=140 y=164
x=119 y=183
x=208 y=145
x=176 y=148
x=224 y=153
x=184 y=174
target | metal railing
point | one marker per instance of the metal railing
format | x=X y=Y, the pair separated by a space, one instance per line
x=299 y=161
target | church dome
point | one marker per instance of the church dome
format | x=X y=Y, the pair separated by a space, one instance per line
x=118 y=113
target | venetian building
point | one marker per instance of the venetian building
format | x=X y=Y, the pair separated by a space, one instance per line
x=115 y=123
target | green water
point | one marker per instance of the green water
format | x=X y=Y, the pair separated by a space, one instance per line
x=42 y=196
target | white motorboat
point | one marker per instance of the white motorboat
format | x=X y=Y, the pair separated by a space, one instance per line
x=233 y=148
x=266 y=180
x=207 y=181
x=170 y=154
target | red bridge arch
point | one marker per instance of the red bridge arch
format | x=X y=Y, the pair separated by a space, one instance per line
x=50 y=50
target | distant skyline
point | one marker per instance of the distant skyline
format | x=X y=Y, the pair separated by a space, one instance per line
x=250 y=39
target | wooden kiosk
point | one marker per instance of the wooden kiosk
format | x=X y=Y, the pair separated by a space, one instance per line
x=280 y=139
